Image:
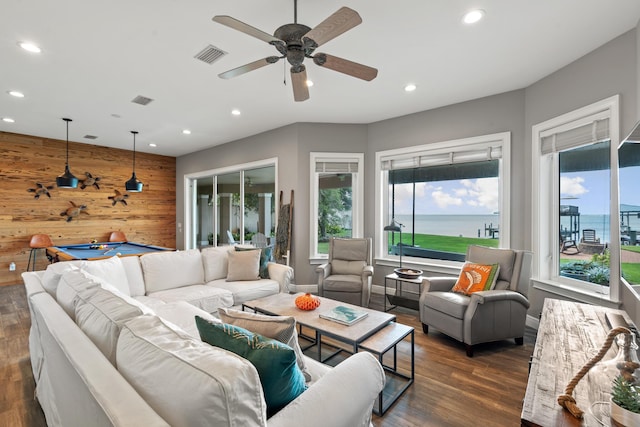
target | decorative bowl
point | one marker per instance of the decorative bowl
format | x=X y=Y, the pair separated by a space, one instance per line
x=307 y=302
x=408 y=273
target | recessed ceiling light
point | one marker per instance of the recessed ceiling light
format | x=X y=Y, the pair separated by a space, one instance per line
x=30 y=47
x=235 y=112
x=16 y=93
x=8 y=120
x=151 y=144
x=410 y=87
x=186 y=132
x=309 y=83
x=473 y=16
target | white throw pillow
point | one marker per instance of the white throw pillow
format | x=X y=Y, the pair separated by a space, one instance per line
x=169 y=270
x=109 y=287
x=100 y=314
x=111 y=270
x=243 y=265
x=189 y=382
x=281 y=328
x=215 y=262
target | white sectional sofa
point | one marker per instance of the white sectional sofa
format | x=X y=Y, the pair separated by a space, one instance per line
x=114 y=343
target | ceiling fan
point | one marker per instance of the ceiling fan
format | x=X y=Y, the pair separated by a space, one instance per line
x=297 y=42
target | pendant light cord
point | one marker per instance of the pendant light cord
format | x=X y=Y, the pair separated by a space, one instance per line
x=134 y=150
x=66 y=163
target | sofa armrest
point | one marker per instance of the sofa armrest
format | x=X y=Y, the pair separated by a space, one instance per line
x=283 y=274
x=484 y=297
x=367 y=271
x=343 y=397
x=323 y=271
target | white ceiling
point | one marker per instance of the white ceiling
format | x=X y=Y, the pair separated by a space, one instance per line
x=98 y=56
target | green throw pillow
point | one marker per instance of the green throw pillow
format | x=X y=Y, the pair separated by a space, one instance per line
x=281 y=378
x=266 y=254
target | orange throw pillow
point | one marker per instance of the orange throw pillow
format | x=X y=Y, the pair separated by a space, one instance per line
x=476 y=277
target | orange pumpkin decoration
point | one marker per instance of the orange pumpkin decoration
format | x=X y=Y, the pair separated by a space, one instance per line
x=307 y=302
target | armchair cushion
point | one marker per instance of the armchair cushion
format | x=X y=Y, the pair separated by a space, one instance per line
x=339 y=266
x=453 y=303
x=343 y=283
x=504 y=257
x=476 y=277
x=351 y=250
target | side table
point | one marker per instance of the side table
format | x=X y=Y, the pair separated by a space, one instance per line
x=379 y=344
x=400 y=296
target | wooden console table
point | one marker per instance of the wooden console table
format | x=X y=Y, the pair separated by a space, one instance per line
x=569 y=335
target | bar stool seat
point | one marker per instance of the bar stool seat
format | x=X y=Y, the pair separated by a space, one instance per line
x=117 y=236
x=38 y=241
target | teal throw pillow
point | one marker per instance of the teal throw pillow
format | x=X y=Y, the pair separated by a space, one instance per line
x=266 y=255
x=281 y=378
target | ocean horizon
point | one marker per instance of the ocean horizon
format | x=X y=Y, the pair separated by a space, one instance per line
x=474 y=225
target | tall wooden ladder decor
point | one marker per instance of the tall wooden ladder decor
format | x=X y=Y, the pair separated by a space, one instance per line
x=283 y=233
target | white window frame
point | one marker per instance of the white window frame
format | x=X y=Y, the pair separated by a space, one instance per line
x=357 y=201
x=545 y=228
x=189 y=193
x=502 y=139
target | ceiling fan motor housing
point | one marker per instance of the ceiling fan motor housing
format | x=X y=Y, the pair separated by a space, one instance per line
x=292 y=35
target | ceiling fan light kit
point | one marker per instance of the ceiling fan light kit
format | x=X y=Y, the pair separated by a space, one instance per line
x=67 y=179
x=295 y=42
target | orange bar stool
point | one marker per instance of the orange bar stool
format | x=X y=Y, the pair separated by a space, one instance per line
x=117 y=236
x=38 y=241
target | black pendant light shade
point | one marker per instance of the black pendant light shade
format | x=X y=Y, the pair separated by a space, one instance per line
x=67 y=180
x=133 y=185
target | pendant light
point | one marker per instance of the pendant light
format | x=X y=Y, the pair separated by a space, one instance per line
x=134 y=185
x=67 y=180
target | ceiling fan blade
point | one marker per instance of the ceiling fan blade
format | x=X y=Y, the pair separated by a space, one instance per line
x=345 y=66
x=299 y=83
x=341 y=21
x=248 y=67
x=244 y=28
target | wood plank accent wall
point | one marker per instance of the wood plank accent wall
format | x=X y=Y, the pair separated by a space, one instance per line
x=149 y=217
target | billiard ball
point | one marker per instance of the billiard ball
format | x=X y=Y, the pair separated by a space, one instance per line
x=118 y=254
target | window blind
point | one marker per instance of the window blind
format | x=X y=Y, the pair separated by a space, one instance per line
x=427 y=159
x=336 y=167
x=590 y=133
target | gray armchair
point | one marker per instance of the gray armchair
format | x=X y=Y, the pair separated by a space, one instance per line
x=347 y=276
x=484 y=316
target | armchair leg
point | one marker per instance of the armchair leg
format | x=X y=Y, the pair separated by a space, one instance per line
x=425 y=328
x=469 y=350
x=519 y=340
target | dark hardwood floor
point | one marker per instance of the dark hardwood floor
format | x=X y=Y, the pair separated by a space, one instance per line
x=450 y=389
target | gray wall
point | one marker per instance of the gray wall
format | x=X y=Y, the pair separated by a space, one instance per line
x=611 y=69
x=607 y=71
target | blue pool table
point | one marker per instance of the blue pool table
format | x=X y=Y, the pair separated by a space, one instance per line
x=90 y=251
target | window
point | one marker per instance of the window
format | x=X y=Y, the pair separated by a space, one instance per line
x=230 y=205
x=446 y=195
x=576 y=227
x=336 y=199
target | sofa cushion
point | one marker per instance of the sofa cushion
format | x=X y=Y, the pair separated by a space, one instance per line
x=350 y=250
x=339 y=266
x=207 y=298
x=247 y=290
x=111 y=270
x=134 y=275
x=476 y=277
x=281 y=328
x=72 y=282
x=100 y=314
x=169 y=270
x=243 y=265
x=183 y=315
x=280 y=377
x=53 y=273
x=188 y=383
x=215 y=261
x=453 y=303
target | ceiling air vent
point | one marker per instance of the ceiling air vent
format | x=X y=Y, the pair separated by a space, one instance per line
x=142 y=100
x=210 y=54
x=90 y=137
